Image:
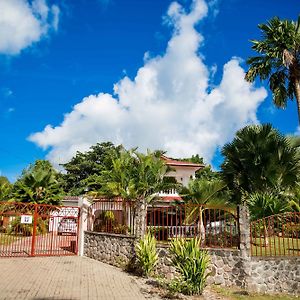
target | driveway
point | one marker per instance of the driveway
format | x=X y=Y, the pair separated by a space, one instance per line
x=64 y=278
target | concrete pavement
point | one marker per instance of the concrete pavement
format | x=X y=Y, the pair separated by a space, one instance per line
x=64 y=278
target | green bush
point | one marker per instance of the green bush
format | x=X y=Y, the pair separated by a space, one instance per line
x=146 y=253
x=191 y=263
x=16 y=227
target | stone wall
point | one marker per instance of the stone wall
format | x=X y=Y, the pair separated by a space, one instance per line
x=114 y=249
x=228 y=267
x=275 y=275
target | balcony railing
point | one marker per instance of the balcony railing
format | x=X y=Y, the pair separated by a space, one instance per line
x=169 y=192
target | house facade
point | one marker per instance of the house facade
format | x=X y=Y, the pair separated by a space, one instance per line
x=182 y=171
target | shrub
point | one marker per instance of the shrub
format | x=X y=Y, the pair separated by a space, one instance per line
x=16 y=227
x=146 y=253
x=191 y=263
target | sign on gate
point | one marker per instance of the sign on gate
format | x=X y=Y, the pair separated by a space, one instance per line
x=28 y=229
x=26 y=219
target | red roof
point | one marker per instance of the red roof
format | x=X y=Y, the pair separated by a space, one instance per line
x=174 y=162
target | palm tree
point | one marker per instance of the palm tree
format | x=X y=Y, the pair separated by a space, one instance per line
x=204 y=193
x=279 y=60
x=260 y=158
x=38 y=184
x=136 y=177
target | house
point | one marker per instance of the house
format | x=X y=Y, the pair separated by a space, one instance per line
x=182 y=171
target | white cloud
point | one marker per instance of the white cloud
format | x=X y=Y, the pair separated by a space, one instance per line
x=166 y=106
x=24 y=22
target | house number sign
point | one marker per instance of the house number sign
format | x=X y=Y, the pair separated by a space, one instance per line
x=25 y=219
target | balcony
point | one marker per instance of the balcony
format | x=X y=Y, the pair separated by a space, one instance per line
x=169 y=193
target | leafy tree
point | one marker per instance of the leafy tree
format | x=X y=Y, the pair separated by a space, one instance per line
x=38 y=184
x=259 y=159
x=5 y=189
x=208 y=174
x=278 y=60
x=83 y=169
x=265 y=204
x=196 y=159
x=137 y=177
x=204 y=193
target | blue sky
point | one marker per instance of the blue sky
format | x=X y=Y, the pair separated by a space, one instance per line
x=168 y=53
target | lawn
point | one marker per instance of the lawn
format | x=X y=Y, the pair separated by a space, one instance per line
x=238 y=294
x=278 y=246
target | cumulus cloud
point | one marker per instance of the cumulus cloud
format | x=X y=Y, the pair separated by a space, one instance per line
x=24 y=22
x=169 y=105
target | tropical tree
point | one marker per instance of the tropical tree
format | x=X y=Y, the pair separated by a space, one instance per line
x=204 y=193
x=83 y=169
x=137 y=177
x=38 y=184
x=258 y=159
x=5 y=188
x=278 y=60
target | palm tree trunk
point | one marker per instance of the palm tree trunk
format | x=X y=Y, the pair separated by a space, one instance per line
x=297 y=94
x=201 y=228
x=266 y=236
x=140 y=218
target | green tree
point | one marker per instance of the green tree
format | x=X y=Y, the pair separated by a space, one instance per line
x=38 y=184
x=278 y=60
x=259 y=159
x=137 y=177
x=83 y=169
x=204 y=192
x=5 y=189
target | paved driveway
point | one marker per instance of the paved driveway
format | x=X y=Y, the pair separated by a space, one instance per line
x=64 y=278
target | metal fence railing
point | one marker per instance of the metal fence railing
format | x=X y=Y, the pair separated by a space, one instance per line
x=277 y=235
x=111 y=216
x=216 y=226
x=28 y=229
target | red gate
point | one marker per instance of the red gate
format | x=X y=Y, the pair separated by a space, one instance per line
x=38 y=230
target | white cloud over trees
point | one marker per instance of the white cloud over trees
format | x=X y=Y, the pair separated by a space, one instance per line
x=169 y=105
x=23 y=23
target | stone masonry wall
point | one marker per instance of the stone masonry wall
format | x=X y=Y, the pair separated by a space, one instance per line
x=275 y=275
x=228 y=267
x=113 y=249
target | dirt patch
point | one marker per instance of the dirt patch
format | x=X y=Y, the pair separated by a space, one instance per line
x=151 y=289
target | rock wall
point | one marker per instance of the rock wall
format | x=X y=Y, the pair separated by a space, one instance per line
x=114 y=249
x=228 y=267
x=275 y=275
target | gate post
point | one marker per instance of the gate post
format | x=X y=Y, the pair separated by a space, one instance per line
x=83 y=219
x=35 y=215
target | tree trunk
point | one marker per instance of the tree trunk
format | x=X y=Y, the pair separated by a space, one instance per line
x=266 y=236
x=297 y=94
x=140 y=218
x=201 y=228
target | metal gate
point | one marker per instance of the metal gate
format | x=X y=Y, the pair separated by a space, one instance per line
x=38 y=230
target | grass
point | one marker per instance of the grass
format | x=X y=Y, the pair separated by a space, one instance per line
x=238 y=294
x=278 y=246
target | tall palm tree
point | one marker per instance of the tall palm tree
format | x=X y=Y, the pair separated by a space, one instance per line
x=260 y=158
x=279 y=60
